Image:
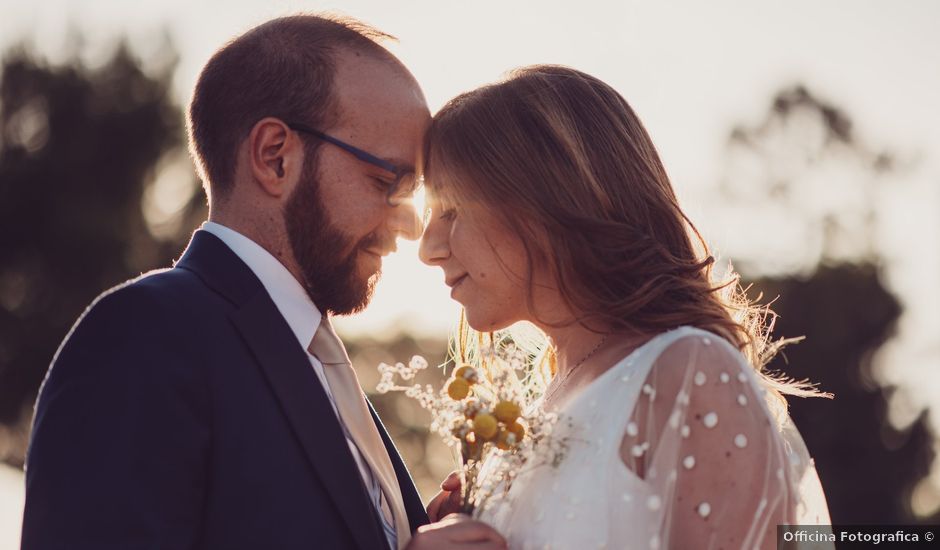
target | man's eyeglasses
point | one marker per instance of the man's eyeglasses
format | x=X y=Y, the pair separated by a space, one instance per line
x=400 y=189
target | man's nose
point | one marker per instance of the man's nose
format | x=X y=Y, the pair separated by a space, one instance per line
x=405 y=221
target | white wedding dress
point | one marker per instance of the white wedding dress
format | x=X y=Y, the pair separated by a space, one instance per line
x=713 y=462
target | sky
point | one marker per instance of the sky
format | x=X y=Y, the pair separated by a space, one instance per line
x=690 y=69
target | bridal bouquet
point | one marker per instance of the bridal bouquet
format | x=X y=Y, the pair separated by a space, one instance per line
x=486 y=416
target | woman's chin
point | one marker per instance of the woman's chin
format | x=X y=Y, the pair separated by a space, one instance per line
x=484 y=321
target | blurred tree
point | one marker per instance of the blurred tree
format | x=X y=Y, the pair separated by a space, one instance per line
x=78 y=148
x=868 y=468
x=804 y=174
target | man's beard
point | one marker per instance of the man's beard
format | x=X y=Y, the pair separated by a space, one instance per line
x=326 y=256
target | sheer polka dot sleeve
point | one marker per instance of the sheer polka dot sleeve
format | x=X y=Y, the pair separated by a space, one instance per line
x=713 y=449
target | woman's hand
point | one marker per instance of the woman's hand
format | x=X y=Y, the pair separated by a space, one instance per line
x=456 y=532
x=447 y=501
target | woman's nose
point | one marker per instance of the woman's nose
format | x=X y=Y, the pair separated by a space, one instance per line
x=434 y=246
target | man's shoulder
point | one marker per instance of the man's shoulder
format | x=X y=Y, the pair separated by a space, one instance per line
x=166 y=286
x=131 y=326
x=169 y=292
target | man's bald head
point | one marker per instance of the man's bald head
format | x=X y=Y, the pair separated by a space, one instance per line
x=284 y=68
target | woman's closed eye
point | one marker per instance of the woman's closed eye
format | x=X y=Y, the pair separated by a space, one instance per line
x=447 y=214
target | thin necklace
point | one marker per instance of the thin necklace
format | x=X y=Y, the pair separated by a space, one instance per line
x=561 y=382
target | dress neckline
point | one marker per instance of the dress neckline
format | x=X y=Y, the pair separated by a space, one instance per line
x=628 y=359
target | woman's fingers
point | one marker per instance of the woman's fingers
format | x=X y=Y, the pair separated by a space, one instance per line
x=452 y=483
x=434 y=507
x=461 y=528
x=471 y=530
x=447 y=501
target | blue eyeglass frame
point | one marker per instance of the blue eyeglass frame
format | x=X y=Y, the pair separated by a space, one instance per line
x=394 y=197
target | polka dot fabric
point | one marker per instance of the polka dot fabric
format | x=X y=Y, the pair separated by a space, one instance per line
x=678 y=445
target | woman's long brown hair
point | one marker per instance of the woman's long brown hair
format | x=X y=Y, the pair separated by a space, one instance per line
x=561 y=159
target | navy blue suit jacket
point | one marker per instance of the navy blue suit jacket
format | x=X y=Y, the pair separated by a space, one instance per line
x=181 y=412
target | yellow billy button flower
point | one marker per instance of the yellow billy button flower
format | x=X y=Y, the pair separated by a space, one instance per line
x=507 y=412
x=468 y=373
x=516 y=429
x=458 y=389
x=506 y=440
x=485 y=426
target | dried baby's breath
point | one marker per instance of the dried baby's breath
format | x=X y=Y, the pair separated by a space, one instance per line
x=483 y=414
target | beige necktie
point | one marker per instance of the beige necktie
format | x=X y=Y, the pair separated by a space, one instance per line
x=351 y=404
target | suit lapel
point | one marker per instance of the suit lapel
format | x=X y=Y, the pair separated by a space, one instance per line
x=292 y=379
x=309 y=412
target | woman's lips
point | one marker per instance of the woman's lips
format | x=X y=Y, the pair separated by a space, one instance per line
x=453 y=286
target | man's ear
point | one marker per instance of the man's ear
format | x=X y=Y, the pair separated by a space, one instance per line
x=275 y=156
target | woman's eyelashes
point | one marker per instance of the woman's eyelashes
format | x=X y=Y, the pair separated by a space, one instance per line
x=438 y=211
x=447 y=214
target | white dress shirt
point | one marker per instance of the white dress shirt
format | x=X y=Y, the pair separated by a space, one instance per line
x=294 y=304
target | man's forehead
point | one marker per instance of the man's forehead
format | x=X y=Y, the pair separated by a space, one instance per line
x=367 y=82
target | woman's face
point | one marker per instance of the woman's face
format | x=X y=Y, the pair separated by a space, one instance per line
x=484 y=263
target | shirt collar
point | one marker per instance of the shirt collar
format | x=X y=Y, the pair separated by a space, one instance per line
x=295 y=305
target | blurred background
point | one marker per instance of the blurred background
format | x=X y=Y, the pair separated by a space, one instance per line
x=801 y=137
